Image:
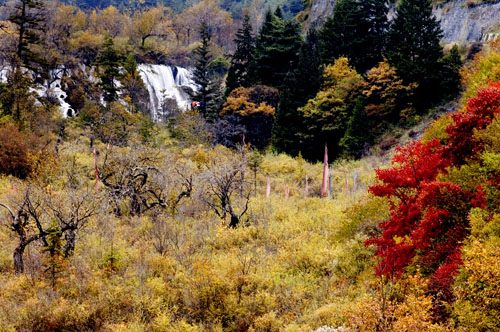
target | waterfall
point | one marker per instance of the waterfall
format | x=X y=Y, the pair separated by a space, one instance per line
x=168 y=88
x=166 y=84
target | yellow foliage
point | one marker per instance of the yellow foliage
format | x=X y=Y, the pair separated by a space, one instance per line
x=484 y=69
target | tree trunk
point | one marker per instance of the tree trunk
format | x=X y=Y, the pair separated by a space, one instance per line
x=234 y=220
x=18 y=259
x=70 y=238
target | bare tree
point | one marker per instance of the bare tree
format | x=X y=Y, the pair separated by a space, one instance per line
x=137 y=177
x=222 y=178
x=27 y=229
x=32 y=212
x=72 y=210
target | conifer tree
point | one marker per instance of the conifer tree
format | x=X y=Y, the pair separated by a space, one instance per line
x=205 y=95
x=452 y=62
x=357 y=31
x=108 y=62
x=300 y=85
x=357 y=134
x=28 y=17
x=413 y=48
x=240 y=62
x=53 y=247
x=275 y=50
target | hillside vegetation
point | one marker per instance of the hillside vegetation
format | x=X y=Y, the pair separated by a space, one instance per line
x=154 y=246
x=201 y=223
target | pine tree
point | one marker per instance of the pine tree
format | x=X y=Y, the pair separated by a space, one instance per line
x=240 y=62
x=357 y=31
x=53 y=247
x=413 y=48
x=452 y=62
x=300 y=85
x=108 y=62
x=29 y=18
x=357 y=135
x=206 y=94
x=374 y=26
x=275 y=51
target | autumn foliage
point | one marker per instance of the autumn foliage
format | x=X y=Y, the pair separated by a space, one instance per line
x=13 y=152
x=429 y=211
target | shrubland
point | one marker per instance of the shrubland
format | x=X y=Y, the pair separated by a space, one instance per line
x=180 y=236
x=110 y=222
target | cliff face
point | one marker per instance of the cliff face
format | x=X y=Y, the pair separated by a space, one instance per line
x=459 y=22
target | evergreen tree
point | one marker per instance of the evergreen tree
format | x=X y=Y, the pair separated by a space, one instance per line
x=28 y=17
x=108 y=62
x=275 y=51
x=357 y=31
x=374 y=26
x=413 y=48
x=206 y=94
x=300 y=85
x=17 y=100
x=134 y=90
x=53 y=247
x=278 y=13
x=357 y=135
x=452 y=62
x=240 y=62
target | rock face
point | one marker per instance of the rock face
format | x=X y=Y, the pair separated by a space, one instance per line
x=459 y=22
x=319 y=12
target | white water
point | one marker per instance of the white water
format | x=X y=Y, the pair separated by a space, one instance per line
x=162 y=82
x=166 y=82
x=54 y=90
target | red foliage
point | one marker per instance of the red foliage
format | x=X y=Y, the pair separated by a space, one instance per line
x=418 y=207
x=428 y=219
x=478 y=115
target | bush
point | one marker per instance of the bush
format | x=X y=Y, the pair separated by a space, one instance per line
x=13 y=152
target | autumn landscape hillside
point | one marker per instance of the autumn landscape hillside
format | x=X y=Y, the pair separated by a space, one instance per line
x=222 y=167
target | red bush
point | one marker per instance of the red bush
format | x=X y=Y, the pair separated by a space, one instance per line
x=428 y=220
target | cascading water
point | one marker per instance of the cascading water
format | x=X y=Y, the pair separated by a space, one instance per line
x=166 y=83
x=53 y=91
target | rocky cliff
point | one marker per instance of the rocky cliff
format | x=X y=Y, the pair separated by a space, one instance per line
x=460 y=22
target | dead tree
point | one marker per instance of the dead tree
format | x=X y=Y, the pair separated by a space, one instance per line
x=25 y=220
x=72 y=212
x=138 y=179
x=223 y=178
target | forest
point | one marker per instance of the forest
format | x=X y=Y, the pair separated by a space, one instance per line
x=333 y=178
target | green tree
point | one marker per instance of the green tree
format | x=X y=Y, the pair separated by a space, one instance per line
x=53 y=247
x=16 y=98
x=299 y=86
x=28 y=17
x=357 y=134
x=240 y=62
x=327 y=114
x=356 y=30
x=276 y=50
x=206 y=94
x=108 y=63
x=134 y=90
x=413 y=49
x=452 y=62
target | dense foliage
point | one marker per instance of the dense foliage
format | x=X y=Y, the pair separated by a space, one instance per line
x=111 y=222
